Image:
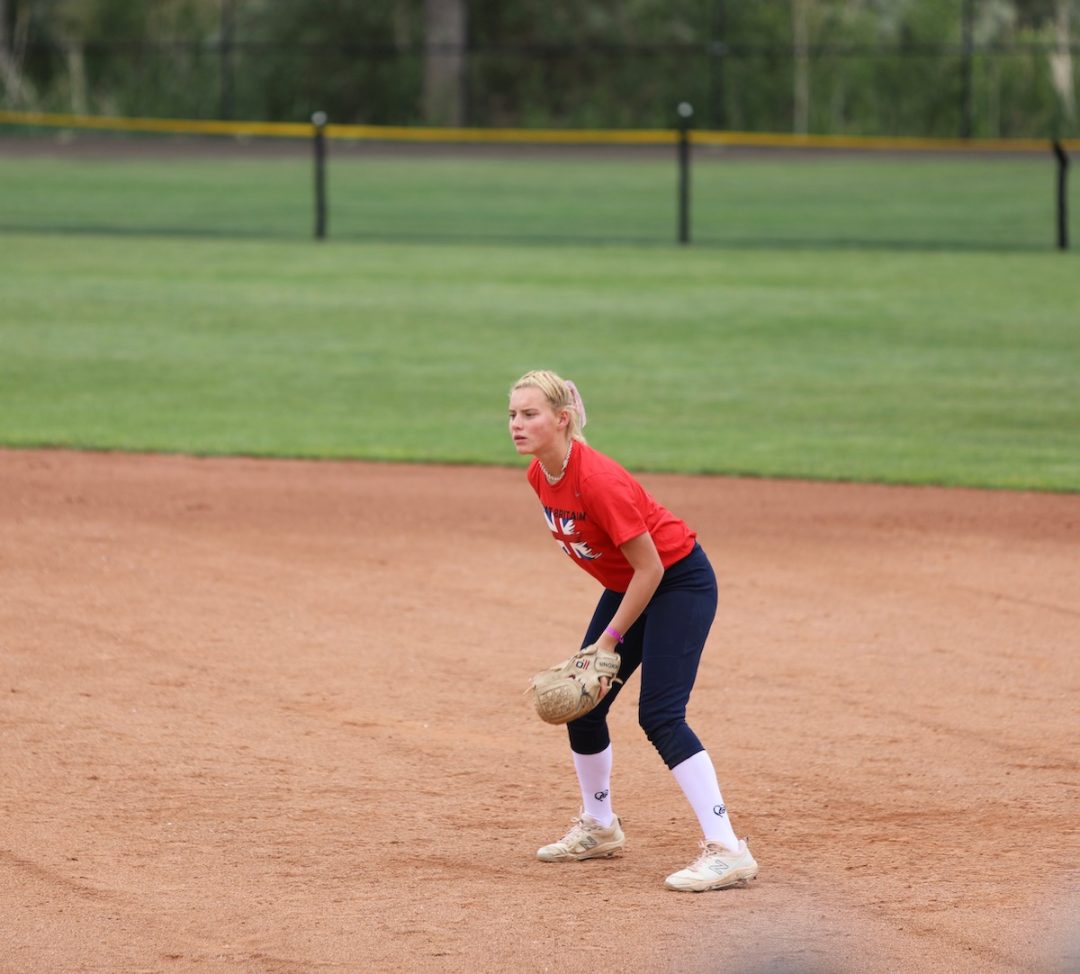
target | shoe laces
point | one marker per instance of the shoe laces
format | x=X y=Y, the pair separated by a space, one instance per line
x=709 y=850
x=579 y=826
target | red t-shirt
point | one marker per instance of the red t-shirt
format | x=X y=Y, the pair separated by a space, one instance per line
x=598 y=506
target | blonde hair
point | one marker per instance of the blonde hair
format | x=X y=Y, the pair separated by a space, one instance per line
x=561 y=394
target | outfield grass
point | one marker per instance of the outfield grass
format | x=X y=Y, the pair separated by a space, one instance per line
x=775 y=200
x=898 y=366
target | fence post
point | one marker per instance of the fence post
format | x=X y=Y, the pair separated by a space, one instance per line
x=967 y=89
x=686 y=113
x=1062 y=196
x=319 y=121
x=225 y=57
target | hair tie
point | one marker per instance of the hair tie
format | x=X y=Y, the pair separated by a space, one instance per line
x=575 y=400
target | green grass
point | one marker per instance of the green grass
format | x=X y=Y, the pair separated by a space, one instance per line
x=762 y=202
x=909 y=366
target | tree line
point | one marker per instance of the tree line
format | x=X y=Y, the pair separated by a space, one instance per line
x=995 y=68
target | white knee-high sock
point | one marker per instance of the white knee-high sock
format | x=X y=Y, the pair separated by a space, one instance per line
x=594 y=777
x=697 y=778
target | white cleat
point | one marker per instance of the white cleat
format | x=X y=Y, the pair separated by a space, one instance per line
x=716 y=868
x=587 y=839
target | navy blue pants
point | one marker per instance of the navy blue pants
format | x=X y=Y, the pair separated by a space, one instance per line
x=666 y=642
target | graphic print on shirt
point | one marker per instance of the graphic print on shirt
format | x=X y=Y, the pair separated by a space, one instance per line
x=564 y=528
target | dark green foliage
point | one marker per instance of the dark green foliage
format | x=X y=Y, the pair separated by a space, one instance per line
x=873 y=67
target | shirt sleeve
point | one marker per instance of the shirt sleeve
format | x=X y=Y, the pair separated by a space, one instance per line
x=615 y=505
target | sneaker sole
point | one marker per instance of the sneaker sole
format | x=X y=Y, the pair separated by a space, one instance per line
x=600 y=852
x=740 y=877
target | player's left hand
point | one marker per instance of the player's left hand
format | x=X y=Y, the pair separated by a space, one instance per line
x=572 y=688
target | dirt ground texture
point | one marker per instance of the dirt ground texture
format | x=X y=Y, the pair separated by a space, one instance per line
x=268 y=716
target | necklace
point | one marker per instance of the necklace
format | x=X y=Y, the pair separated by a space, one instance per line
x=555 y=478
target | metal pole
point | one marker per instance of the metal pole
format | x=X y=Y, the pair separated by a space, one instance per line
x=1062 y=196
x=967 y=96
x=319 y=121
x=686 y=113
x=226 y=67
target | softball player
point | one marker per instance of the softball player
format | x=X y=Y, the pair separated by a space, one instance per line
x=656 y=609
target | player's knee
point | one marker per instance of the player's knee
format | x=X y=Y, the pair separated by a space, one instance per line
x=662 y=733
x=588 y=734
x=671 y=736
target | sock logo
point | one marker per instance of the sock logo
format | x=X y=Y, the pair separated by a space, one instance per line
x=719 y=810
x=600 y=796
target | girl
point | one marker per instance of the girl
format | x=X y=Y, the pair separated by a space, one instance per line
x=658 y=604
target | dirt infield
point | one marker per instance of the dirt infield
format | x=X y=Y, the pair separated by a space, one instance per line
x=267 y=716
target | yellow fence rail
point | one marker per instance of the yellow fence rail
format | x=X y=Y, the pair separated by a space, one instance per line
x=401 y=133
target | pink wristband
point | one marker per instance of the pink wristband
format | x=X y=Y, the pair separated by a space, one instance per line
x=612 y=631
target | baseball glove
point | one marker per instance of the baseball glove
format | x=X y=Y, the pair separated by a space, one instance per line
x=571 y=689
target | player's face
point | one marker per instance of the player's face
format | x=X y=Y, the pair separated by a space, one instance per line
x=534 y=425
